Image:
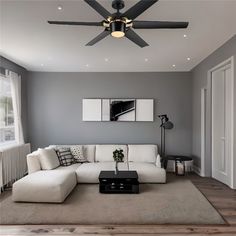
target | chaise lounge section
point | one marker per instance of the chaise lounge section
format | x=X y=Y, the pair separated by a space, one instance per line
x=44 y=186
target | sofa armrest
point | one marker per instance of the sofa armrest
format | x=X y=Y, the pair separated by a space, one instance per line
x=158 y=161
x=33 y=162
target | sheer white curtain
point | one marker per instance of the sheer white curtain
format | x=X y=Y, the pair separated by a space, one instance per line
x=16 y=102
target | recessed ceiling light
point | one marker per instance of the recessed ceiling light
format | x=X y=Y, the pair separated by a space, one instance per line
x=185 y=35
x=87 y=65
x=42 y=64
x=59 y=8
x=173 y=65
x=106 y=59
x=146 y=59
x=188 y=58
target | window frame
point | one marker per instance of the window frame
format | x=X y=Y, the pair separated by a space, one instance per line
x=8 y=142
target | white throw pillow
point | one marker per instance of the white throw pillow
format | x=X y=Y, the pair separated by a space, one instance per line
x=78 y=153
x=104 y=153
x=48 y=159
x=142 y=153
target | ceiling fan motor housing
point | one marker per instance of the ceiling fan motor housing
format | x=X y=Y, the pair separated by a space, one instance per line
x=118 y=4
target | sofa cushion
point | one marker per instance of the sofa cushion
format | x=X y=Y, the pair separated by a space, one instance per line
x=78 y=153
x=71 y=168
x=48 y=159
x=142 y=153
x=148 y=172
x=44 y=186
x=65 y=157
x=89 y=172
x=104 y=153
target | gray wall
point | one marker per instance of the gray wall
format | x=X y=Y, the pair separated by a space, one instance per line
x=7 y=64
x=199 y=75
x=55 y=108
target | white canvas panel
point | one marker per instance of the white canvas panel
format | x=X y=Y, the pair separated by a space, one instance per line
x=92 y=109
x=144 y=109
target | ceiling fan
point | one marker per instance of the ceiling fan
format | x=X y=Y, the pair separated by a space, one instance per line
x=122 y=24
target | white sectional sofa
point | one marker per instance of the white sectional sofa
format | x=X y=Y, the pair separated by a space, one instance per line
x=56 y=184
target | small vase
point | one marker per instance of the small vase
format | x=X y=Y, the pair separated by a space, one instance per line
x=116 y=170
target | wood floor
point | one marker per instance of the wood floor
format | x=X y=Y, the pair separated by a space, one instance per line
x=219 y=195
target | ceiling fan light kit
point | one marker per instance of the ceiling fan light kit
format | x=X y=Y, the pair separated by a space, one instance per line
x=117 y=29
x=122 y=24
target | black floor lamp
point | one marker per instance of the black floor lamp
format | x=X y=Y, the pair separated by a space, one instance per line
x=165 y=124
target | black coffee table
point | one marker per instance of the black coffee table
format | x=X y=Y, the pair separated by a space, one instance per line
x=122 y=182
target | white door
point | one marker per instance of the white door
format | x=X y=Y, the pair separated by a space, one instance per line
x=221 y=124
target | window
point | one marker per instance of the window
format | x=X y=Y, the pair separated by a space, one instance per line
x=7 y=124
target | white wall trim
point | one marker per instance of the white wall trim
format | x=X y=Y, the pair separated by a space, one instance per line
x=224 y=63
x=233 y=166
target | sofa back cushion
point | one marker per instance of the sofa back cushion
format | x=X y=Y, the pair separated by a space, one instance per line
x=89 y=152
x=142 y=153
x=48 y=159
x=104 y=153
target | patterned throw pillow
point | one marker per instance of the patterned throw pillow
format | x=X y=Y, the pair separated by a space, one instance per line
x=65 y=157
x=78 y=154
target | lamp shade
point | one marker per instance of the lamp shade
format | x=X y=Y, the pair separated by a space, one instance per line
x=168 y=125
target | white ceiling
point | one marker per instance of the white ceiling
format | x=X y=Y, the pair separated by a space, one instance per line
x=28 y=40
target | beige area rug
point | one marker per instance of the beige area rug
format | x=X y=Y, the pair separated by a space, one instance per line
x=177 y=202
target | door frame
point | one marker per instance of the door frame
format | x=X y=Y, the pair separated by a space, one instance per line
x=229 y=61
x=203 y=130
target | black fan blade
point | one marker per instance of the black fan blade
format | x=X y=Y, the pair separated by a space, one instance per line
x=75 y=23
x=101 y=36
x=98 y=8
x=138 y=9
x=159 y=25
x=131 y=35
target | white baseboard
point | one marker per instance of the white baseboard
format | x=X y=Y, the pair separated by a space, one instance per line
x=197 y=170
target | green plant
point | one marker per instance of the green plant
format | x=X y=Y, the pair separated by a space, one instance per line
x=118 y=155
